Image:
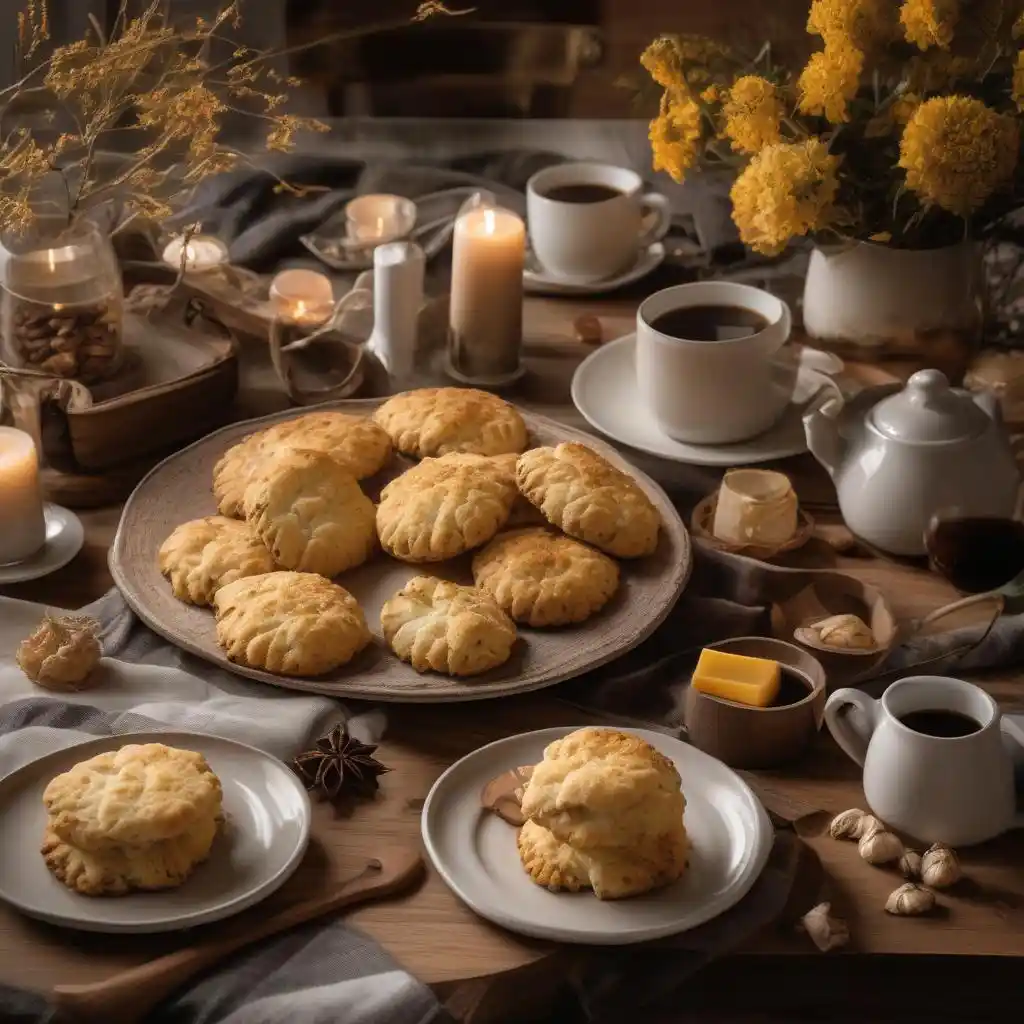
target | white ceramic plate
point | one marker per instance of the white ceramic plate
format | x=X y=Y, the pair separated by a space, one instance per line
x=538 y=282
x=263 y=840
x=475 y=853
x=64 y=538
x=604 y=389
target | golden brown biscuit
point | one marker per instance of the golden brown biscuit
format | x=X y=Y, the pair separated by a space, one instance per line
x=443 y=507
x=356 y=442
x=136 y=795
x=545 y=579
x=440 y=626
x=292 y=623
x=436 y=421
x=585 y=496
x=307 y=508
x=523 y=513
x=613 y=873
x=204 y=554
x=117 y=870
x=602 y=787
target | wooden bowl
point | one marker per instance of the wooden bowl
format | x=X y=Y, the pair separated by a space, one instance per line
x=703 y=518
x=742 y=736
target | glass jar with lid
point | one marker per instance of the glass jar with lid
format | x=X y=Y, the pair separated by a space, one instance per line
x=63 y=304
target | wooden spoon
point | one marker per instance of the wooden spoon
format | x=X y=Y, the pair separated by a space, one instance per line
x=129 y=996
x=504 y=795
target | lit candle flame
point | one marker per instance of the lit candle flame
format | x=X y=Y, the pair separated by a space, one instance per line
x=490 y=222
x=51 y=258
x=300 y=309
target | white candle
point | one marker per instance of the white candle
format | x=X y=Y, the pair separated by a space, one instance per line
x=200 y=253
x=22 y=527
x=302 y=297
x=486 y=318
x=375 y=219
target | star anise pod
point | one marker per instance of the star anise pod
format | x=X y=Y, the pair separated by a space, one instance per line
x=340 y=764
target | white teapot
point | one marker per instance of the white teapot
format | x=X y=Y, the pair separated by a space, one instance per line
x=898 y=456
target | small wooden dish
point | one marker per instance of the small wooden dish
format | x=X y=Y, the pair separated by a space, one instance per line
x=742 y=736
x=703 y=519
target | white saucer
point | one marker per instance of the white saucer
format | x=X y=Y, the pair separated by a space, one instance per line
x=266 y=829
x=475 y=853
x=604 y=390
x=64 y=539
x=537 y=281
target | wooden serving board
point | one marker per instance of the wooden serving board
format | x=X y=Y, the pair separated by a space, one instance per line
x=179 y=489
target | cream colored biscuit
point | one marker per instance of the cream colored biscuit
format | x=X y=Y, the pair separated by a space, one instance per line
x=138 y=794
x=436 y=421
x=117 y=870
x=361 y=446
x=204 y=554
x=602 y=787
x=307 y=508
x=440 y=626
x=523 y=513
x=585 y=496
x=291 y=623
x=443 y=507
x=613 y=873
x=545 y=579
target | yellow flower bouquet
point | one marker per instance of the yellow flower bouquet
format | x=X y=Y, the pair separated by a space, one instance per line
x=903 y=127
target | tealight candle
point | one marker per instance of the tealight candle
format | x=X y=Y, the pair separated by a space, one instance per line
x=200 y=253
x=375 y=219
x=22 y=526
x=486 y=316
x=302 y=297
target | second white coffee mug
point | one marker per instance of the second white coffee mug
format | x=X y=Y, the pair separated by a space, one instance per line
x=715 y=392
x=592 y=241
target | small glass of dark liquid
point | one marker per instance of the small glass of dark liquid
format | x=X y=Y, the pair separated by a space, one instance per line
x=977 y=554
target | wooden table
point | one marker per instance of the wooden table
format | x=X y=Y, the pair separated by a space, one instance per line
x=477 y=965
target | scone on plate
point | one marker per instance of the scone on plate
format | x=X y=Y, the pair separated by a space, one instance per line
x=614 y=873
x=585 y=496
x=291 y=623
x=361 y=446
x=310 y=512
x=139 y=818
x=435 y=421
x=204 y=554
x=440 y=626
x=543 y=578
x=443 y=507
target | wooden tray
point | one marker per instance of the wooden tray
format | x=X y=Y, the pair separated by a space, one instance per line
x=179 y=489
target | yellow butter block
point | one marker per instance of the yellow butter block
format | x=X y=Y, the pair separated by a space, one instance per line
x=753 y=681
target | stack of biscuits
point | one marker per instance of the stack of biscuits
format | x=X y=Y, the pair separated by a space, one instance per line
x=544 y=526
x=604 y=811
x=135 y=819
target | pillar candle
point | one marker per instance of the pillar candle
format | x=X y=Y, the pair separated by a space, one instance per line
x=22 y=527
x=489 y=246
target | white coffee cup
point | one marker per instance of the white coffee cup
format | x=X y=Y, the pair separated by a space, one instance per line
x=585 y=242
x=715 y=392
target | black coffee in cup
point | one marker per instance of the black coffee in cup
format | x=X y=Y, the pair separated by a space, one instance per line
x=940 y=722
x=581 y=193
x=710 y=323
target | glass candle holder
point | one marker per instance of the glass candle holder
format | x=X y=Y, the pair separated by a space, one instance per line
x=485 y=338
x=63 y=306
x=198 y=255
x=304 y=298
x=22 y=526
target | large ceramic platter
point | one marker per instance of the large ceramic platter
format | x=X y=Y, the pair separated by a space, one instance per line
x=267 y=820
x=179 y=489
x=475 y=853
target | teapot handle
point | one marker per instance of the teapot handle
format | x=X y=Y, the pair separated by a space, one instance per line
x=852 y=732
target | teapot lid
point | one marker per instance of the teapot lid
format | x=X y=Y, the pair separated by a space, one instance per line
x=928 y=409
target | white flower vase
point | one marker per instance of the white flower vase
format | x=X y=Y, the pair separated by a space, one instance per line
x=872 y=302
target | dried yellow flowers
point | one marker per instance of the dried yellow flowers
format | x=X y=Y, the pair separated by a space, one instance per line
x=675 y=134
x=830 y=81
x=929 y=22
x=753 y=112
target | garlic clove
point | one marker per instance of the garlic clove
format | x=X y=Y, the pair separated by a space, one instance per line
x=940 y=867
x=845 y=631
x=880 y=847
x=868 y=824
x=825 y=931
x=910 y=900
x=910 y=864
x=846 y=824
x=61 y=652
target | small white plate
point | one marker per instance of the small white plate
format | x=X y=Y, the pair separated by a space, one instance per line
x=537 y=281
x=64 y=539
x=604 y=389
x=475 y=853
x=267 y=822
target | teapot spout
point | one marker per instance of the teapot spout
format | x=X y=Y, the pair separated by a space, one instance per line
x=821 y=428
